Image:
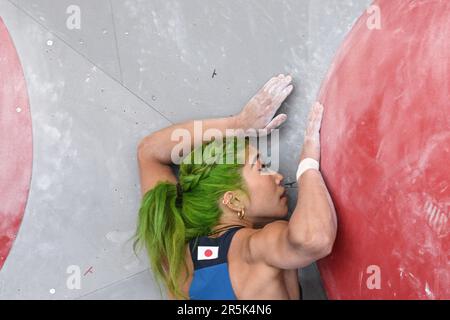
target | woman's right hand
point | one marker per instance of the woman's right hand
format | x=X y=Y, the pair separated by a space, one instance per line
x=257 y=117
x=311 y=144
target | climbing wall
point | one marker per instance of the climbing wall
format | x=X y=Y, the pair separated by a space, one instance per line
x=386 y=148
x=102 y=74
x=15 y=143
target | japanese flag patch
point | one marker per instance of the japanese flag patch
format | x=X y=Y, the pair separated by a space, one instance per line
x=207 y=252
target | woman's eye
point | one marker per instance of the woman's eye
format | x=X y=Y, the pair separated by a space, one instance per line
x=263 y=165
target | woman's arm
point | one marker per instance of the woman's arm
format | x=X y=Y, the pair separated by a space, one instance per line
x=159 y=145
x=155 y=150
x=313 y=223
x=310 y=232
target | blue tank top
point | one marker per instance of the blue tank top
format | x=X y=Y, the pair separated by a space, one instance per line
x=211 y=279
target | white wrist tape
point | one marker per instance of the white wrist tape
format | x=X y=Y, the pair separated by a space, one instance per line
x=305 y=164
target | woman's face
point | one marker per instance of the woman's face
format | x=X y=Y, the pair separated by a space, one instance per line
x=265 y=190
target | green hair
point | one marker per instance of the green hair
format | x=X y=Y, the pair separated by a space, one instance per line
x=205 y=174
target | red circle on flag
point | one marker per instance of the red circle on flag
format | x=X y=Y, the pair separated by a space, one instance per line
x=208 y=252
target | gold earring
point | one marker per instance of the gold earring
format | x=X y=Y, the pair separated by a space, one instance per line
x=241 y=214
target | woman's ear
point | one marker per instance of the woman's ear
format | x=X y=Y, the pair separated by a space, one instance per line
x=233 y=200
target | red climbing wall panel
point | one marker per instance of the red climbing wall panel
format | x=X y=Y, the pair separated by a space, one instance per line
x=386 y=155
x=15 y=143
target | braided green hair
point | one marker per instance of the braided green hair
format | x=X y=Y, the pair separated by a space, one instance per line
x=205 y=175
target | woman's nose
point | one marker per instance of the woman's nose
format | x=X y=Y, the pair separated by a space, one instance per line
x=279 y=177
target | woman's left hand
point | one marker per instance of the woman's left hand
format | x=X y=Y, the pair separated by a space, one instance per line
x=259 y=111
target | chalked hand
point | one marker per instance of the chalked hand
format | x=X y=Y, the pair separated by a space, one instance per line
x=257 y=117
x=311 y=144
